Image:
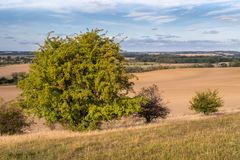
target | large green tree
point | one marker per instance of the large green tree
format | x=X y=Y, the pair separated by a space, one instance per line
x=79 y=81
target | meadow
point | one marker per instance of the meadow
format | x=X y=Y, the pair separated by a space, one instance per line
x=214 y=138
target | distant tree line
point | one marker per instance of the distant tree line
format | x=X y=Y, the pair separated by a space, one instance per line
x=164 y=58
x=6 y=60
x=235 y=63
x=139 y=69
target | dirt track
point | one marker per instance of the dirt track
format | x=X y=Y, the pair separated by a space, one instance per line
x=177 y=85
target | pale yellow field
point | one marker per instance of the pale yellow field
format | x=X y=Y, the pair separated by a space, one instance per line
x=11 y=92
x=177 y=85
x=6 y=71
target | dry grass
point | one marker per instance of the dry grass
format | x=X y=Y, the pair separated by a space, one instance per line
x=214 y=138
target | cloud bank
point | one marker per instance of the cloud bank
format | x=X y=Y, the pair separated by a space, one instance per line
x=98 y=5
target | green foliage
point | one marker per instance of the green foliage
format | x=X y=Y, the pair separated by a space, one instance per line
x=154 y=107
x=205 y=65
x=223 y=64
x=8 y=60
x=206 y=102
x=139 y=69
x=171 y=58
x=79 y=81
x=15 y=77
x=12 y=119
x=198 y=61
x=235 y=63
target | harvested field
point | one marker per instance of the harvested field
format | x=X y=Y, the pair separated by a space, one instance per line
x=9 y=92
x=6 y=71
x=177 y=85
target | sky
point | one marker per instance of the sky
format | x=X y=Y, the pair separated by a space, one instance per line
x=143 y=25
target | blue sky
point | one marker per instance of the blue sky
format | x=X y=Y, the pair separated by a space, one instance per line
x=149 y=25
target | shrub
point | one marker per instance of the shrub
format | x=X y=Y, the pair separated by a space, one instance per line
x=206 y=102
x=15 y=77
x=12 y=119
x=79 y=81
x=235 y=63
x=223 y=64
x=154 y=107
x=139 y=69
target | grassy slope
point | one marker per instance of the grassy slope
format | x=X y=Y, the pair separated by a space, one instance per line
x=214 y=138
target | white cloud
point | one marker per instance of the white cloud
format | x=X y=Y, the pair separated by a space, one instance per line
x=222 y=11
x=59 y=5
x=167 y=36
x=65 y=17
x=229 y=7
x=151 y=17
x=112 y=23
x=229 y=17
x=173 y=3
x=210 y=32
x=98 y=5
